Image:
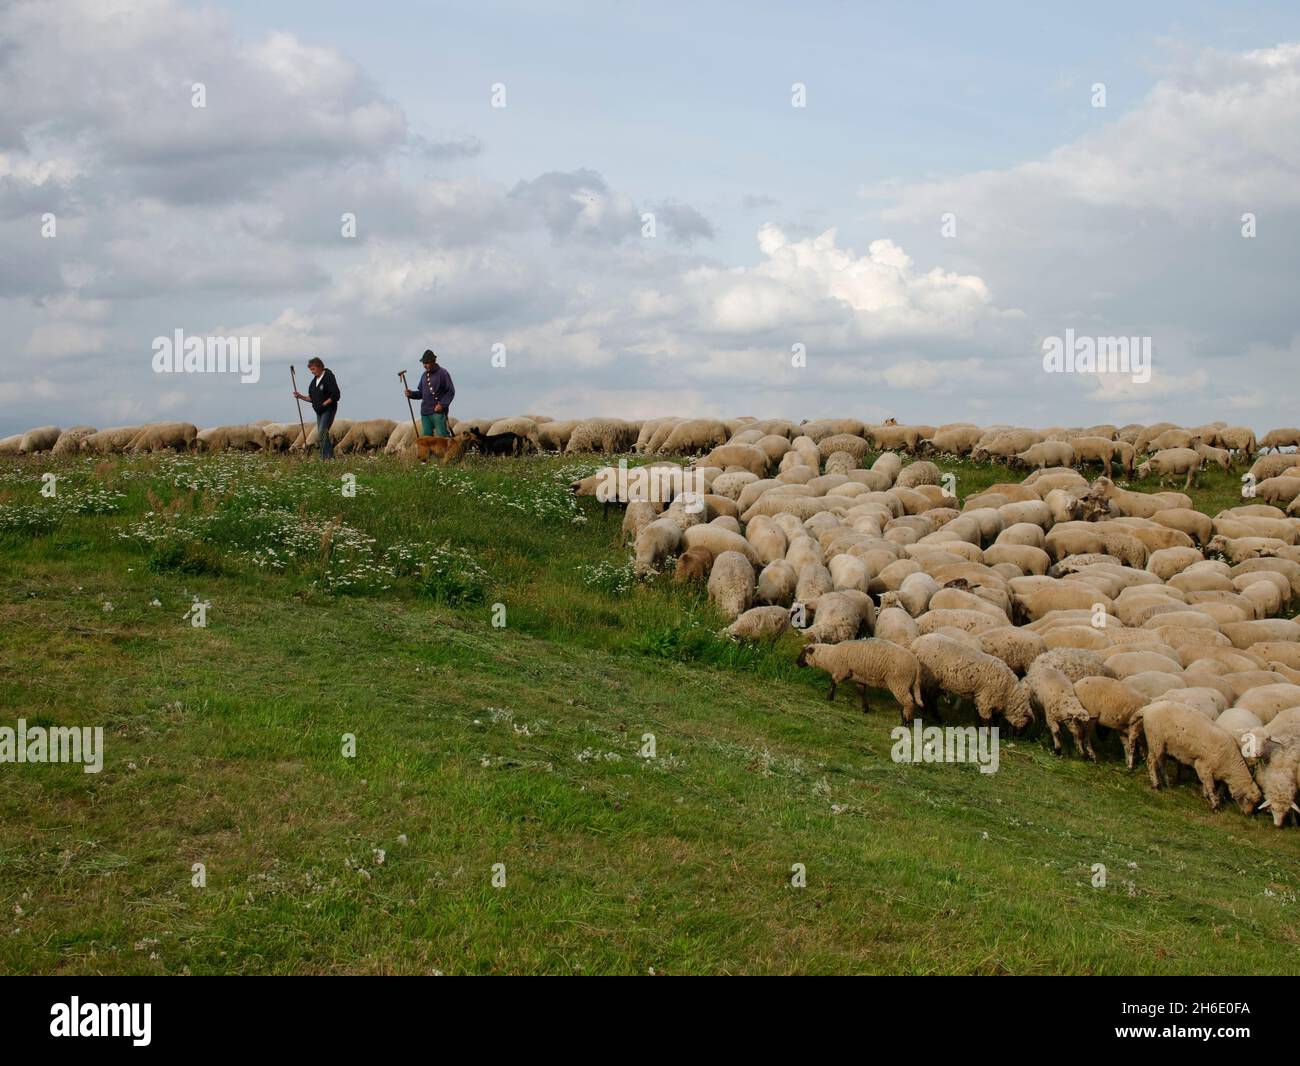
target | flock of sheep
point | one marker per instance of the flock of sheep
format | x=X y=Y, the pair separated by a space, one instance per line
x=348 y=435
x=1078 y=603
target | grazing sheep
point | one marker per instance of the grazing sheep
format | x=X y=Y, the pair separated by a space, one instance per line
x=731 y=584
x=969 y=674
x=814 y=581
x=1244 y=634
x=606 y=435
x=1271 y=466
x=871 y=663
x=895 y=624
x=1276 y=773
x=1076 y=663
x=1113 y=705
x=777 y=583
x=759 y=623
x=1237 y=721
x=951 y=440
x=1093 y=449
x=554 y=436
x=338 y=431
x=654 y=544
x=231 y=438
x=636 y=517
x=521 y=427
x=165 y=436
x=1044 y=454
x=838 y=616
x=107 y=441
x=369 y=435
x=281 y=436
x=1172 y=730
x=719 y=539
x=693 y=436
x=746 y=456
x=1174 y=463
x=1279 y=490
x=38 y=440
x=693 y=566
x=1016 y=647
x=1238 y=439
x=1280 y=438
x=1267 y=701
x=1052 y=693
x=70 y=440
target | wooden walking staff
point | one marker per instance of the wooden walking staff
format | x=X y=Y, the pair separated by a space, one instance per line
x=294 y=378
x=406 y=391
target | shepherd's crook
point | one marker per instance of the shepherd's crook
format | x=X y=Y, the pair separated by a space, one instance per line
x=406 y=390
x=294 y=378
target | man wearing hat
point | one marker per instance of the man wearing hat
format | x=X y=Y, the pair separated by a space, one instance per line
x=435 y=395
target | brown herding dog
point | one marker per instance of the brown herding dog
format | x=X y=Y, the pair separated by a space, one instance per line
x=448 y=449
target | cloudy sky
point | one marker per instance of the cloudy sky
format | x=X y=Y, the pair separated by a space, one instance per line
x=948 y=198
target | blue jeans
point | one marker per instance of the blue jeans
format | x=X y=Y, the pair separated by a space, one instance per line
x=434 y=425
x=323 y=422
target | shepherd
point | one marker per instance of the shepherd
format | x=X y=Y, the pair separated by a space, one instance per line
x=323 y=394
x=435 y=395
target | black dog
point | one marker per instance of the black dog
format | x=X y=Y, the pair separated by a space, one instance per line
x=498 y=443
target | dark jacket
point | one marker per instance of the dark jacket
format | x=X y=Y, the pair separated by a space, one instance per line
x=435 y=387
x=328 y=388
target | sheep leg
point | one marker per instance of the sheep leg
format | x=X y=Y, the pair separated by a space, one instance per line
x=1208 y=785
x=1155 y=766
x=866 y=707
x=1130 y=745
x=1081 y=740
x=1055 y=728
x=830 y=696
x=904 y=701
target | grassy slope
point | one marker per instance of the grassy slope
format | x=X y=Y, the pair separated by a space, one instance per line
x=520 y=745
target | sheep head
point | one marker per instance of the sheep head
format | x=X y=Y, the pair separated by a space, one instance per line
x=1018 y=711
x=1277 y=780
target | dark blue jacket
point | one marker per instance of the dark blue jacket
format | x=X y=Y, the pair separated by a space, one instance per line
x=328 y=387
x=435 y=387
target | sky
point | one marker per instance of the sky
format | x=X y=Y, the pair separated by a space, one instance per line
x=649 y=225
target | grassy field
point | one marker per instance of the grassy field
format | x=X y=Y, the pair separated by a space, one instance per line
x=477 y=632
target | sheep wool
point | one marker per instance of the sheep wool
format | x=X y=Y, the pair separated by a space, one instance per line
x=871 y=663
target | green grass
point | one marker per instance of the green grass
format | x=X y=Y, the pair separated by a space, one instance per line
x=521 y=744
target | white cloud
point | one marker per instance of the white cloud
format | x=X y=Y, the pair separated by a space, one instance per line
x=813 y=282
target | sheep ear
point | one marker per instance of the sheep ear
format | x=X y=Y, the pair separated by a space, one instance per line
x=1264 y=805
x=1294 y=807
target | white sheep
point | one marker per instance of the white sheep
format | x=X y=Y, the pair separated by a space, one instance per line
x=731 y=584
x=759 y=624
x=656 y=541
x=870 y=663
x=1172 y=730
x=969 y=674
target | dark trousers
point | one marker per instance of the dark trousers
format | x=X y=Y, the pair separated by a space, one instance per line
x=323 y=422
